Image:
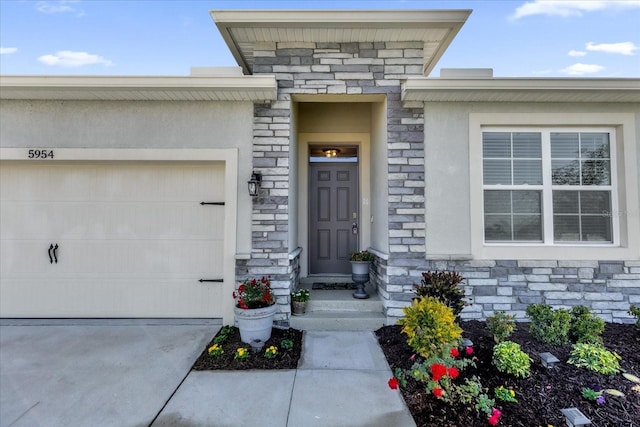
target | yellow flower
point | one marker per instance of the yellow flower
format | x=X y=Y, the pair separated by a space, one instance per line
x=512 y=393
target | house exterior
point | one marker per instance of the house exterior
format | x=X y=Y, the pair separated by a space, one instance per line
x=127 y=196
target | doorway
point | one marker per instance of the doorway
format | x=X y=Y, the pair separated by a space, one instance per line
x=334 y=218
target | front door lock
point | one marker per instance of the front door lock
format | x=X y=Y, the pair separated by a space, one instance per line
x=354 y=228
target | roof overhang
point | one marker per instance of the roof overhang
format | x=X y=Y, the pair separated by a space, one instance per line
x=243 y=30
x=521 y=90
x=139 y=88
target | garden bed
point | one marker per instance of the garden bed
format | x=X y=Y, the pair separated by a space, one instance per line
x=540 y=396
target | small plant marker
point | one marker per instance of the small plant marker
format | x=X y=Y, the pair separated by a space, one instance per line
x=574 y=417
x=548 y=360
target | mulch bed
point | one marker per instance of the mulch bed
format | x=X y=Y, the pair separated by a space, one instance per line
x=542 y=395
x=285 y=359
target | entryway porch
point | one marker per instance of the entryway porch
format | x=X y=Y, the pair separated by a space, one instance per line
x=333 y=308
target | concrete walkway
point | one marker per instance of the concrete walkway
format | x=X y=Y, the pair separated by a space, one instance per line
x=139 y=375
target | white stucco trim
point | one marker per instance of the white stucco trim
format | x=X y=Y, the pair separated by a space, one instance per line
x=229 y=156
x=624 y=123
x=521 y=89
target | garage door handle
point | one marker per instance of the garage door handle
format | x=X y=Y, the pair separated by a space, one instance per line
x=212 y=203
x=55 y=256
x=211 y=280
x=50 y=257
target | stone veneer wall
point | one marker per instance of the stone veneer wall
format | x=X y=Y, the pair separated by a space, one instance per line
x=606 y=287
x=333 y=68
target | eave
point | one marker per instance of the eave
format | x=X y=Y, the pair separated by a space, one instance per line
x=243 y=30
x=521 y=90
x=139 y=88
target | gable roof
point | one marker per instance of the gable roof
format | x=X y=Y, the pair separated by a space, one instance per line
x=244 y=30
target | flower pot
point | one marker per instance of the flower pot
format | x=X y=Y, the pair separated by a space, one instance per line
x=255 y=324
x=360 y=276
x=298 y=308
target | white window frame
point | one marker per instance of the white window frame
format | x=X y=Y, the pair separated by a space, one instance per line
x=547 y=187
x=627 y=193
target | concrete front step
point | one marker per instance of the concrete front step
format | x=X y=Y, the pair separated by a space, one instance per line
x=338 y=321
x=337 y=310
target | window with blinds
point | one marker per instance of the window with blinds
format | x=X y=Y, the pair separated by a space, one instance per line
x=547 y=186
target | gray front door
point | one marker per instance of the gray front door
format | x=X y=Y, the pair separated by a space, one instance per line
x=333 y=211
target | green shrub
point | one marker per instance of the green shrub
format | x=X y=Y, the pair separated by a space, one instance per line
x=501 y=325
x=507 y=357
x=595 y=358
x=584 y=326
x=443 y=285
x=635 y=311
x=548 y=325
x=430 y=327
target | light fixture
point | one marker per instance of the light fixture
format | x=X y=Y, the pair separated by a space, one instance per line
x=254 y=184
x=331 y=152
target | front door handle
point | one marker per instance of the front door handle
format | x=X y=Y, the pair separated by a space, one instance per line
x=354 y=228
x=55 y=256
x=50 y=257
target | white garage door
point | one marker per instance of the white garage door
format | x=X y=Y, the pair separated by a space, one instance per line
x=132 y=239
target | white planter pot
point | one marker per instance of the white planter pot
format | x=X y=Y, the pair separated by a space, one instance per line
x=255 y=324
x=360 y=267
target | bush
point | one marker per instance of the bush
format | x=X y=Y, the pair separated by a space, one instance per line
x=507 y=357
x=548 y=325
x=443 y=285
x=584 y=326
x=430 y=327
x=501 y=325
x=595 y=358
x=635 y=311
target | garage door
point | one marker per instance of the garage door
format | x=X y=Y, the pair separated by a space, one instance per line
x=128 y=239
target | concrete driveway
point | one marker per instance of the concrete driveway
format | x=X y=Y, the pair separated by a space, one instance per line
x=94 y=373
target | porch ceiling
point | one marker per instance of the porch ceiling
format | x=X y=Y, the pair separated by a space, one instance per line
x=521 y=90
x=243 y=30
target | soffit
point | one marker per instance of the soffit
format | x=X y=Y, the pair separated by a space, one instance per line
x=521 y=90
x=245 y=30
x=136 y=88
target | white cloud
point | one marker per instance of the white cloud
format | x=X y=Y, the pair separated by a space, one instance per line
x=624 y=48
x=581 y=69
x=61 y=6
x=576 y=53
x=571 y=7
x=8 y=50
x=67 y=58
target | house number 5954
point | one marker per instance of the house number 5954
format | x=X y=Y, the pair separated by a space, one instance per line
x=40 y=154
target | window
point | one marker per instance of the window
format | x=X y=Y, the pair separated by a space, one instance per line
x=549 y=186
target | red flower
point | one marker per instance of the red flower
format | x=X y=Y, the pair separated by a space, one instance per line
x=438 y=371
x=393 y=383
x=241 y=288
x=493 y=420
x=469 y=351
x=453 y=372
x=437 y=392
x=455 y=352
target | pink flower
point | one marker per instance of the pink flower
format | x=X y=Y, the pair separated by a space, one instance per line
x=454 y=352
x=413 y=357
x=469 y=351
x=393 y=383
x=493 y=420
x=496 y=412
x=438 y=392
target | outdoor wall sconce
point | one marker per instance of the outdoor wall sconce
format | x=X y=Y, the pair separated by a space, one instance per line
x=574 y=417
x=331 y=152
x=548 y=360
x=254 y=184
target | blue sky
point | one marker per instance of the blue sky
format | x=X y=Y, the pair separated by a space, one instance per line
x=517 y=38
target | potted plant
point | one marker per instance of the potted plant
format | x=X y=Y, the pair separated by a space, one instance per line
x=299 y=301
x=254 y=310
x=360 y=271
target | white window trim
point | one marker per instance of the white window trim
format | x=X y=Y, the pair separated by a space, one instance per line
x=547 y=187
x=626 y=226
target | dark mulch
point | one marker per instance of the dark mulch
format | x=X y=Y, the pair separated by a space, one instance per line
x=285 y=359
x=542 y=395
